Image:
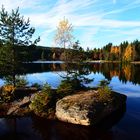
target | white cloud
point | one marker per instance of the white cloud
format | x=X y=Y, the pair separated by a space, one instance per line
x=91 y=16
x=23 y=4
x=88 y=36
x=118 y=24
x=127 y=5
x=114 y=1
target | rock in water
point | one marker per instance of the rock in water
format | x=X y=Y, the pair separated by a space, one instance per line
x=87 y=108
x=15 y=107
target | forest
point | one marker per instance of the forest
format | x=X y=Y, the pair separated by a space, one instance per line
x=124 y=52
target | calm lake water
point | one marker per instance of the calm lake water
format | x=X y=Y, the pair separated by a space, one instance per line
x=126 y=125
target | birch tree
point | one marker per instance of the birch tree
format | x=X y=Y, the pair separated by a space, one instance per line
x=63 y=36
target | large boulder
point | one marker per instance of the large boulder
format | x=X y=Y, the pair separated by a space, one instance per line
x=88 y=107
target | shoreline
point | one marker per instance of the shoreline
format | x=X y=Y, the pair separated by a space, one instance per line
x=107 y=61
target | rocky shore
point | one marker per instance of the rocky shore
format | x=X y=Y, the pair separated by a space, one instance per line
x=84 y=107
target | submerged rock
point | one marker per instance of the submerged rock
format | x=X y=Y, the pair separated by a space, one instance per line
x=87 y=108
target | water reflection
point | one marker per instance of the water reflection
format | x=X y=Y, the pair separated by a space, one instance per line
x=36 y=128
x=124 y=78
x=17 y=129
x=125 y=72
x=61 y=131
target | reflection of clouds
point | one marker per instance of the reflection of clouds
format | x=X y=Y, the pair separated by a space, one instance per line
x=97 y=77
x=49 y=62
x=1 y=82
x=52 y=78
x=128 y=88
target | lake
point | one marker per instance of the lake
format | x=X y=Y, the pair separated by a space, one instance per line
x=123 y=78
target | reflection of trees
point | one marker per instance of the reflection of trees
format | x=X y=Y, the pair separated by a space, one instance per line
x=76 y=75
x=125 y=72
x=135 y=78
x=114 y=73
x=50 y=129
x=12 y=76
x=64 y=131
x=18 y=129
x=105 y=71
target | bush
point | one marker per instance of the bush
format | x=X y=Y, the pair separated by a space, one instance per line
x=47 y=90
x=65 y=88
x=44 y=102
x=104 y=83
x=105 y=94
x=21 y=82
x=39 y=103
x=104 y=91
x=7 y=93
x=36 y=85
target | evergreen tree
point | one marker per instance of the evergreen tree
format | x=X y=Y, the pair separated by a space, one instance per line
x=14 y=33
x=123 y=47
x=136 y=53
x=106 y=51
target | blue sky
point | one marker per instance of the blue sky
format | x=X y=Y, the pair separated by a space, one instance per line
x=95 y=22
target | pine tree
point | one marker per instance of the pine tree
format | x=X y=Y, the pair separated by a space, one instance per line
x=14 y=33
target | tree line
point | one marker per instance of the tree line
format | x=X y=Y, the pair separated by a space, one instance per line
x=125 y=52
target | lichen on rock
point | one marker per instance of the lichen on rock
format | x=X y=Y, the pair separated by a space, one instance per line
x=87 y=107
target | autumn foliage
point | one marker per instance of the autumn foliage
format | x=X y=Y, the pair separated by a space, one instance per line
x=124 y=52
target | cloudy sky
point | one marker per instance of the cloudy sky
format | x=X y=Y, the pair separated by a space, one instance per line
x=95 y=22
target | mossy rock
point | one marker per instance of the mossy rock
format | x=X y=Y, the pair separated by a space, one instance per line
x=88 y=108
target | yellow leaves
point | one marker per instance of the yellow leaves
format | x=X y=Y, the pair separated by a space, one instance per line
x=115 y=50
x=7 y=93
x=63 y=24
x=63 y=34
x=128 y=53
x=127 y=71
x=8 y=88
